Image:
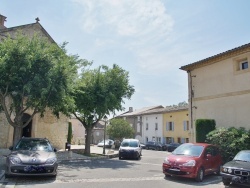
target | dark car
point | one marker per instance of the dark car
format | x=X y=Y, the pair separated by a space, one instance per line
x=156 y=146
x=172 y=146
x=31 y=156
x=193 y=161
x=237 y=170
x=130 y=148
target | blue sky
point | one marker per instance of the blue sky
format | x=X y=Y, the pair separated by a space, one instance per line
x=151 y=39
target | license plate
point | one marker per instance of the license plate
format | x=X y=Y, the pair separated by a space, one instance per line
x=33 y=168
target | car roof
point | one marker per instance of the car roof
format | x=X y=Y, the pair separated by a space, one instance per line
x=130 y=139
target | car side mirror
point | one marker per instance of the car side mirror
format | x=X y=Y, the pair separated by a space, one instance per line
x=11 y=148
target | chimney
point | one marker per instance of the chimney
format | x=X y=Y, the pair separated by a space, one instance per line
x=2 y=20
x=130 y=109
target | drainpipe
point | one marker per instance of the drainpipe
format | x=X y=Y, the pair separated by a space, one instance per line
x=191 y=95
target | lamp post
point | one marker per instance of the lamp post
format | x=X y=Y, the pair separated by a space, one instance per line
x=104 y=133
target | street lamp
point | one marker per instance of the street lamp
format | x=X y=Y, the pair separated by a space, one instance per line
x=104 y=133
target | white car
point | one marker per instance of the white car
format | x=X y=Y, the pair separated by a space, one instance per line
x=108 y=143
x=130 y=148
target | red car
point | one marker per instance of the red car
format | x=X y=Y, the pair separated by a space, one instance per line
x=193 y=161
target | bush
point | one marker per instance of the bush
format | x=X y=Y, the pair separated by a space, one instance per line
x=230 y=141
x=203 y=127
x=70 y=135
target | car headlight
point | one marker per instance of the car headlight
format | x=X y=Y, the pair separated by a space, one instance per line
x=166 y=161
x=223 y=169
x=15 y=160
x=189 y=163
x=51 y=160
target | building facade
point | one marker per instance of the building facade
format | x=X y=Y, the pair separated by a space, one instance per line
x=219 y=89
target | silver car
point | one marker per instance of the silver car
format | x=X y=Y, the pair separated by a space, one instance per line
x=32 y=156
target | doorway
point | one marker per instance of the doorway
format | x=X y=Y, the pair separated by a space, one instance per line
x=28 y=128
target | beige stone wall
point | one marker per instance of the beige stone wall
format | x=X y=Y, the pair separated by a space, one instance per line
x=4 y=131
x=222 y=92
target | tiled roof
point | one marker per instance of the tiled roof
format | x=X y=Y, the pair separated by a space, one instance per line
x=217 y=58
x=156 y=110
x=137 y=112
x=165 y=110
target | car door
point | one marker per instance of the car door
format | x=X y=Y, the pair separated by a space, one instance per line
x=207 y=159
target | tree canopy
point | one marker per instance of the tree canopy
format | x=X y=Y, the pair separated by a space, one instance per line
x=119 y=129
x=34 y=75
x=100 y=92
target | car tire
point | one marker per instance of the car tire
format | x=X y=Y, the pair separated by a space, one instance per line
x=225 y=181
x=200 y=175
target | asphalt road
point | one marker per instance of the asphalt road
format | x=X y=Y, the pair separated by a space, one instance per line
x=113 y=173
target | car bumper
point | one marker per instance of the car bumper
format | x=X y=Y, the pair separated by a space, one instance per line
x=129 y=154
x=31 y=170
x=188 y=172
x=235 y=178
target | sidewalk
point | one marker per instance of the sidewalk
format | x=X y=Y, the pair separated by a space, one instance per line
x=63 y=155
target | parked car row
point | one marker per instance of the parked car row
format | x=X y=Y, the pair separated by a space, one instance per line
x=161 y=147
x=197 y=160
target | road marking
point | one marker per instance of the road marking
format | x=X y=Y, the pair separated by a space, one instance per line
x=10 y=185
x=101 y=180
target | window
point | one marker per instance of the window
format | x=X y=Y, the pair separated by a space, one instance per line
x=187 y=140
x=158 y=139
x=243 y=65
x=170 y=126
x=156 y=126
x=138 y=127
x=185 y=125
x=146 y=126
x=169 y=140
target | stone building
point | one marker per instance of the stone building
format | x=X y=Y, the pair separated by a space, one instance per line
x=49 y=126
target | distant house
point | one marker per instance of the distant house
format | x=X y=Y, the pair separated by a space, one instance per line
x=166 y=125
x=219 y=88
x=49 y=126
x=134 y=118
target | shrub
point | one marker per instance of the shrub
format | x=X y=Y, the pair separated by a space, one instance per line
x=230 y=141
x=203 y=127
x=70 y=135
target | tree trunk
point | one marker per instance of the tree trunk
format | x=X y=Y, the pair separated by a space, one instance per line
x=17 y=134
x=87 y=141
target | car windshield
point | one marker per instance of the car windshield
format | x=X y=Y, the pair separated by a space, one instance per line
x=33 y=145
x=129 y=144
x=242 y=156
x=188 y=149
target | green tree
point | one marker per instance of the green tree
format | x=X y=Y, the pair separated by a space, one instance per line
x=35 y=75
x=119 y=129
x=99 y=92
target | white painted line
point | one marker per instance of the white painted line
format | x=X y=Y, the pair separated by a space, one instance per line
x=10 y=185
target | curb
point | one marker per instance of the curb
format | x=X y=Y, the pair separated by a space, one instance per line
x=89 y=158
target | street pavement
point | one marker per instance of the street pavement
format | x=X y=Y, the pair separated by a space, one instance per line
x=63 y=155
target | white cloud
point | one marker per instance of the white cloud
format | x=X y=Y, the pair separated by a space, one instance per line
x=140 y=26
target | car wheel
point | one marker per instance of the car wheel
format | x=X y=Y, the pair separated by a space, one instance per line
x=200 y=175
x=226 y=181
